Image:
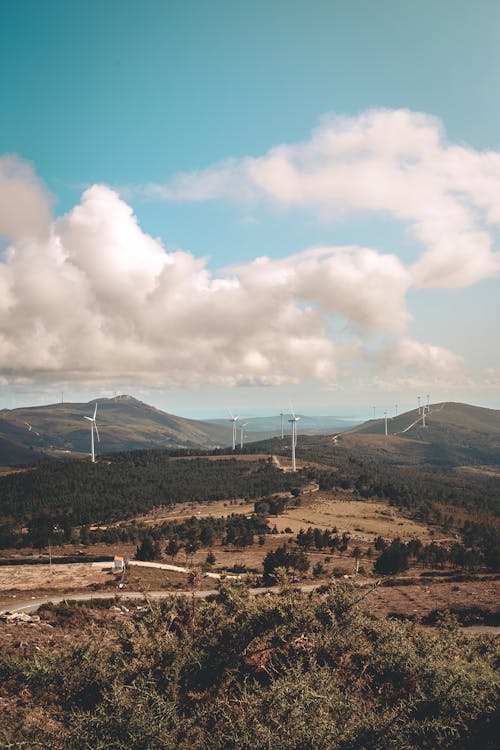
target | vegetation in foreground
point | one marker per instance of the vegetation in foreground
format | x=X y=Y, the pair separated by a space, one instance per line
x=289 y=671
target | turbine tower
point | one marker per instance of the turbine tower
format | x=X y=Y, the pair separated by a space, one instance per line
x=241 y=434
x=234 y=420
x=282 y=425
x=294 y=421
x=385 y=422
x=93 y=426
x=428 y=406
x=396 y=407
x=418 y=397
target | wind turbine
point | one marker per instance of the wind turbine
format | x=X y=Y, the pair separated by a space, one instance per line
x=428 y=406
x=93 y=426
x=418 y=397
x=241 y=433
x=385 y=420
x=233 y=420
x=294 y=421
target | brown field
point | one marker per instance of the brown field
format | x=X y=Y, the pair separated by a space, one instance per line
x=200 y=510
x=363 y=519
x=26 y=581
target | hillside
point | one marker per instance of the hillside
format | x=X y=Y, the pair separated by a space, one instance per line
x=12 y=454
x=124 y=423
x=453 y=434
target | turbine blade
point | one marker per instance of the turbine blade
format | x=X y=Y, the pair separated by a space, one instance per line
x=97 y=433
x=95 y=410
x=89 y=418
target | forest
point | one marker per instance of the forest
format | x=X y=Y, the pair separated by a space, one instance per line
x=120 y=486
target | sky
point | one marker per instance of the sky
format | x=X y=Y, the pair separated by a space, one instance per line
x=226 y=205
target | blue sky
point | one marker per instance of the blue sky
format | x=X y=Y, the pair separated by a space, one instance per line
x=131 y=95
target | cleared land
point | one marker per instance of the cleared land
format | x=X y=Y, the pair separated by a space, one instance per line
x=363 y=519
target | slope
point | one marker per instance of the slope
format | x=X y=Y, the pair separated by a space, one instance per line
x=453 y=433
x=124 y=424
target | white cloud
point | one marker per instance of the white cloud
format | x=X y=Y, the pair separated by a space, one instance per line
x=395 y=163
x=418 y=357
x=25 y=207
x=90 y=296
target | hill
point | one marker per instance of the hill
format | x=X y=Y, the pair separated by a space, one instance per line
x=12 y=454
x=453 y=434
x=124 y=423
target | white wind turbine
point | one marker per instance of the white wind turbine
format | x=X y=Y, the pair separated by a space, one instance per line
x=93 y=426
x=233 y=420
x=294 y=421
x=241 y=433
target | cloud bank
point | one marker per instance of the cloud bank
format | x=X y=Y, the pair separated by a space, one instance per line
x=90 y=296
x=396 y=164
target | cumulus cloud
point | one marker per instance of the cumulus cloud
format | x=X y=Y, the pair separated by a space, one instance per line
x=418 y=357
x=395 y=163
x=25 y=207
x=90 y=296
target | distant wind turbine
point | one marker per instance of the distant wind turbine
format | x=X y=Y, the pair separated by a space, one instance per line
x=294 y=421
x=93 y=426
x=385 y=421
x=241 y=433
x=233 y=420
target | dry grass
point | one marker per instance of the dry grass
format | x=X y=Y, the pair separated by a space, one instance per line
x=182 y=511
x=363 y=519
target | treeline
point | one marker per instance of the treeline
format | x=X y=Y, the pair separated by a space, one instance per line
x=397 y=555
x=123 y=485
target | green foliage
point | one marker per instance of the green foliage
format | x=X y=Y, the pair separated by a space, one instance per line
x=289 y=671
x=285 y=558
x=394 y=559
x=78 y=492
x=148 y=550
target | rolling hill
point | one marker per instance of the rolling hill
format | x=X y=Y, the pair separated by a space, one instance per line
x=124 y=424
x=453 y=433
x=13 y=454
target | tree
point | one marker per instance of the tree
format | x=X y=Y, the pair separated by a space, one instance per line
x=210 y=559
x=318 y=569
x=173 y=546
x=148 y=550
x=394 y=559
